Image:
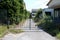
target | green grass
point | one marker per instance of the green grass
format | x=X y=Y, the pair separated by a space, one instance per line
x=12 y=26
x=58 y=36
x=15 y=31
x=3 y=30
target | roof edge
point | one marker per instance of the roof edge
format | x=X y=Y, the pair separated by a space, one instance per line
x=49 y=2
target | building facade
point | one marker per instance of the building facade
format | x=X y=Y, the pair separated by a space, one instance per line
x=48 y=12
x=55 y=4
x=34 y=11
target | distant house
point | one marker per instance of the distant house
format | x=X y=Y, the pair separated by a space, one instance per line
x=34 y=11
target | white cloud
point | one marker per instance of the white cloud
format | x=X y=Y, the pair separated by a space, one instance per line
x=35 y=4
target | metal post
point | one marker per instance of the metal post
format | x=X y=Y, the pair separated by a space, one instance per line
x=8 y=24
x=30 y=24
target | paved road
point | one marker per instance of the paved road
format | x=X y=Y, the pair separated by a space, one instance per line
x=28 y=25
x=29 y=35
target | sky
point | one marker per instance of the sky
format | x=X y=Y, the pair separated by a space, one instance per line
x=35 y=4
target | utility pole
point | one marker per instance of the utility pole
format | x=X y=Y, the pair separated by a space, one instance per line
x=30 y=22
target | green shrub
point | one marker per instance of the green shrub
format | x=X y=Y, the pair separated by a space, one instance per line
x=58 y=35
x=48 y=25
x=3 y=30
x=15 y=30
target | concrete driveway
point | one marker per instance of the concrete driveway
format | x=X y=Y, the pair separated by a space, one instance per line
x=29 y=36
x=33 y=34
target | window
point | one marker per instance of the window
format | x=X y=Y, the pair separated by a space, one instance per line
x=33 y=15
x=56 y=14
x=48 y=13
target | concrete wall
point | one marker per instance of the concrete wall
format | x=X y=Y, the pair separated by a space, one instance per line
x=33 y=14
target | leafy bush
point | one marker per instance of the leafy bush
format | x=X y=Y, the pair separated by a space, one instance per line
x=58 y=35
x=15 y=30
x=38 y=15
x=13 y=11
x=48 y=25
x=3 y=30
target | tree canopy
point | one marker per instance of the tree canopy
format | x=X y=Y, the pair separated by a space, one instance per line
x=15 y=10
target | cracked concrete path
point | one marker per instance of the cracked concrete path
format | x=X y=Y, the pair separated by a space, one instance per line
x=29 y=34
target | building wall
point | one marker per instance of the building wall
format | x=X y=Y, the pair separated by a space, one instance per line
x=33 y=14
x=34 y=11
x=54 y=4
x=48 y=10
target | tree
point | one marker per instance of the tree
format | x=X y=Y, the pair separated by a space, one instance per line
x=38 y=15
x=16 y=10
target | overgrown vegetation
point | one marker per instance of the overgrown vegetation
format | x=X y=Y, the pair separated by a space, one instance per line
x=38 y=15
x=15 y=31
x=58 y=36
x=49 y=25
x=13 y=11
x=3 y=30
